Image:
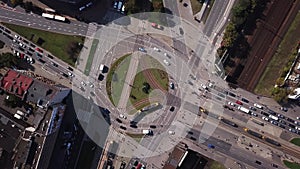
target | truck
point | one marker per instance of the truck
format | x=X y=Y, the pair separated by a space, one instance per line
x=243 y=109
x=147 y=132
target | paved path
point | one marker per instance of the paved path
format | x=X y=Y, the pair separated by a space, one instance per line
x=133 y=66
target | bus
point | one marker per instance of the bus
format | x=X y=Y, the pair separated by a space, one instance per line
x=55 y=17
x=47 y=16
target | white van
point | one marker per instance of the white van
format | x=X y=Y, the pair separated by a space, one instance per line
x=120 y=5
x=258 y=106
x=20 y=113
x=17 y=116
x=81 y=8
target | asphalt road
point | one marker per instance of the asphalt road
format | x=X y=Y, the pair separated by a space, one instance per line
x=35 y=21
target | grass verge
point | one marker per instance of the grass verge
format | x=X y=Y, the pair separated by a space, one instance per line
x=62 y=46
x=112 y=70
x=217 y=165
x=91 y=57
x=207 y=11
x=279 y=60
x=196 y=6
x=291 y=165
x=136 y=137
x=296 y=141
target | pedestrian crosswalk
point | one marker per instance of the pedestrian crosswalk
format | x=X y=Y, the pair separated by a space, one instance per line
x=92 y=29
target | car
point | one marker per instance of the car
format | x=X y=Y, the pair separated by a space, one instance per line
x=115 y=5
x=298 y=118
x=122 y=116
x=297 y=123
x=156 y=49
x=156 y=26
x=39 y=50
x=258 y=162
x=89 y=4
x=291 y=125
x=245 y=100
x=17 y=37
x=282 y=121
x=172 y=109
x=71 y=69
x=82 y=8
x=42 y=61
x=54 y=64
x=172 y=86
x=274 y=122
x=297 y=128
x=167 y=55
x=252 y=108
x=281 y=116
x=133 y=126
x=83 y=84
x=283 y=109
x=192 y=138
x=272 y=112
x=123 y=165
x=290 y=120
x=203 y=86
x=231 y=104
x=211 y=146
x=282 y=126
x=72 y=75
x=50 y=56
x=292 y=130
x=142 y=49
x=190 y=132
x=166 y=62
x=181 y=31
x=239 y=102
x=30 y=60
x=152 y=126
x=254 y=114
x=122 y=127
x=22 y=45
x=120 y=4
x=171 y=132
x=265 y=118
x=274 y=165
x=118 y=120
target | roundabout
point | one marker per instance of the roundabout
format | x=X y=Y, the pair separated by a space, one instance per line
x=149 y=86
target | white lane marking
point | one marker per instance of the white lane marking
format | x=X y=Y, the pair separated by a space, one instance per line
x=14 y=19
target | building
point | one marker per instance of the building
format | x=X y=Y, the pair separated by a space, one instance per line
x=16 y=83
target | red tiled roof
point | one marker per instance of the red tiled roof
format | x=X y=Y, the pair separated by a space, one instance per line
x=16 y=83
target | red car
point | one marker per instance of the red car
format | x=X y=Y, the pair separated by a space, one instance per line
x=139 y=166
x=238 y=102
x=39 y=50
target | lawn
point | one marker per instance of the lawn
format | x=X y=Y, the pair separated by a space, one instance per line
x=136 y=137
x=196 y=6
x=296 y=141
x=65 y=47
x=279 y=60
x=91 y=57
x=291 y=165
x=119 y=79
x=117 y=86
x=217 y=165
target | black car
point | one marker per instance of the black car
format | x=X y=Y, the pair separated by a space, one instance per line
x=71 y=69
x=232 y=94
x=181 y=31
x=245 y=100
x=272 y=112
x=122 y=127
x=133 y=126
x=291 y=125
x=252 y=108
x=192 y=138
x=172 y=108
x=282 y=122
x=290 y=120
x=258 y=162
x=50 y=56
x=42 y=61
x=152 y=126
x=133 y=122
x=282 y=126
x=100 y=77
x=264 y=113
x=118 y=120
x=190 y=132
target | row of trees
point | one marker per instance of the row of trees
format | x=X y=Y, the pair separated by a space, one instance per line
x=242 y=22
x=8 y=60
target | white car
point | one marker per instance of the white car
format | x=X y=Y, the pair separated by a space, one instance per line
x=297 y=128
x=203 y=86
x=231 y=104
x=83 y=84
x=166 y=62
x=265 y=118
x=122 y=116
x=171 y=132
x=156 y=49
x=115 y=5
x=298 y=118
x=17 y=37
x=91 y=85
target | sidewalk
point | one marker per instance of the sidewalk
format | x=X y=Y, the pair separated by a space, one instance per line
x=133 y=66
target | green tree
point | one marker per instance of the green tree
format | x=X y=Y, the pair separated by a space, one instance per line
x=12 y=101
x=230 y=35
x=280 y=94
x=8 y=60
